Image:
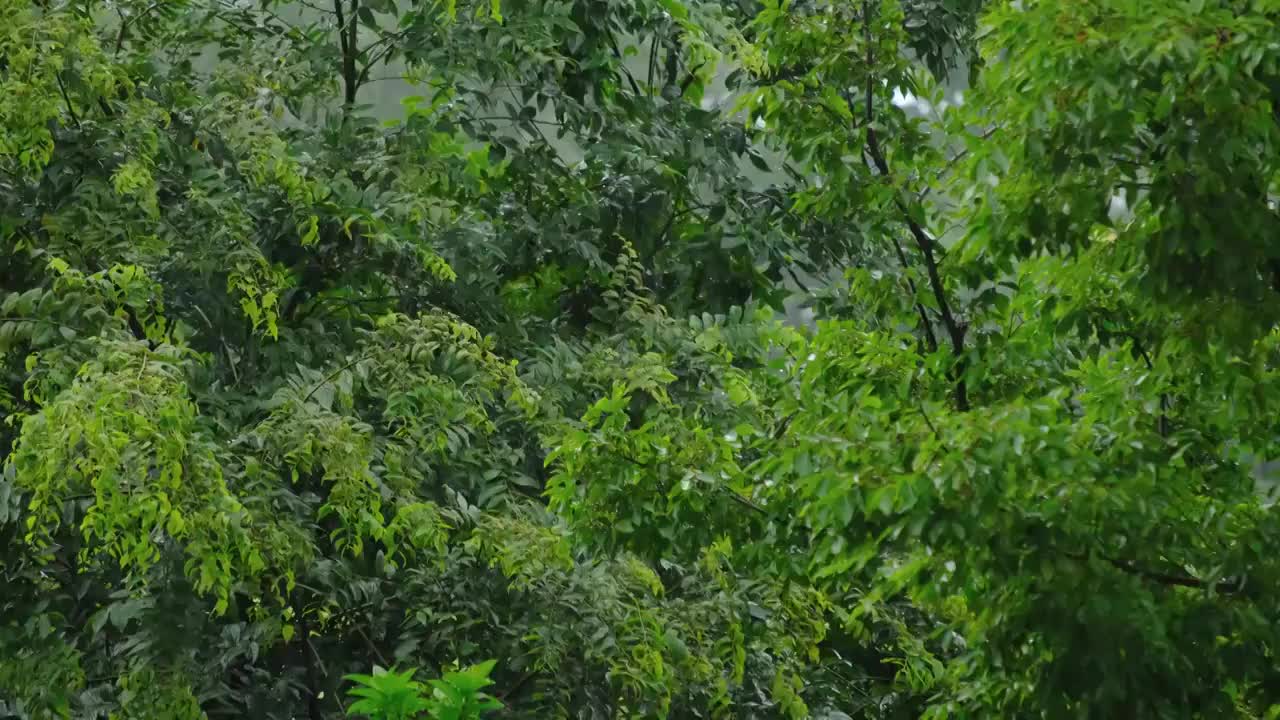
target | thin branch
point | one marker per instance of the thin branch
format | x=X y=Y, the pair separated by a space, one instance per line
x=511 y=689
x=288 y=27
x=783 y=74
x=929 y=422
x=543 y=136
x=653 y=60
x=390 y=47
x=951 y=162
x=385 y=78
x=124 y=27
x=690 y=77
x=923 y=241
x=67 y=98
x=224 y=17
x=613 y=43
x=314 y=669
x=783 y=426
x=38 y=320
x=930 y=337
x=1170 y=579
x=125 y=23
x=313 y=6
x=735 y=495
x=515 y=120
x=743 y=500
x=374 y=648
x=796 y=279
x=306 y=638
x=333 y=376
x=342 y=26
x=1162 y=423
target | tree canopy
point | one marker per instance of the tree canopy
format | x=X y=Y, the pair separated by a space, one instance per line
x=794 y=359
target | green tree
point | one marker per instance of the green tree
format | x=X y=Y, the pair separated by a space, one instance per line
x=279 y=380
x=291 y=392
x=1030 y=461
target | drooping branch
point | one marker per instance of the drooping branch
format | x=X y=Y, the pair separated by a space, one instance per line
x=1225 y=587
x=1162 y=578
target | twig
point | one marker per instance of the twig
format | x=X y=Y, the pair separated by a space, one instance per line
x=1161 y=578
x=783 y=426
x=796 y=279
x=38 y=320
x=653 y=60
x=390 y=40
x=332 y=376
x=314 y=669
x=1162 y=423
x=376 y=652
x=510 y=690
x=929 y=422
x=951 y=162
x=744 y=500
x=915 y=295
x=515 y=121
x=613 y=43
x=67 y=98
x=124 y=23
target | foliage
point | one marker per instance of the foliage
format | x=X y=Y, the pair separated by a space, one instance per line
x=388 y=695
x=294 y=385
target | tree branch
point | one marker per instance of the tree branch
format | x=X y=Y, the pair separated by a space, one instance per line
x=931 y=339
x=372 y=647
x=744 y=500
x=347 y=45
x=951 y=161
x=734 y=494
x=613 y=45
x=71 y=109
x=923 y=241
x=353 y=52
x=929 y=422
x=1224 y=587
x=314 y=668
x=333 y=375
x=511 y=689
x=389 y=47
x=1162 y=423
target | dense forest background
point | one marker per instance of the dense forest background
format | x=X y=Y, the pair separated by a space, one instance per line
x=639 y=358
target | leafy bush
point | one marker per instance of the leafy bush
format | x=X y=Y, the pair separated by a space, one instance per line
x=391 y=695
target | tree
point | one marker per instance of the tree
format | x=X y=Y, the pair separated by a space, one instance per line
x=256 y=439
x=290 y=392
